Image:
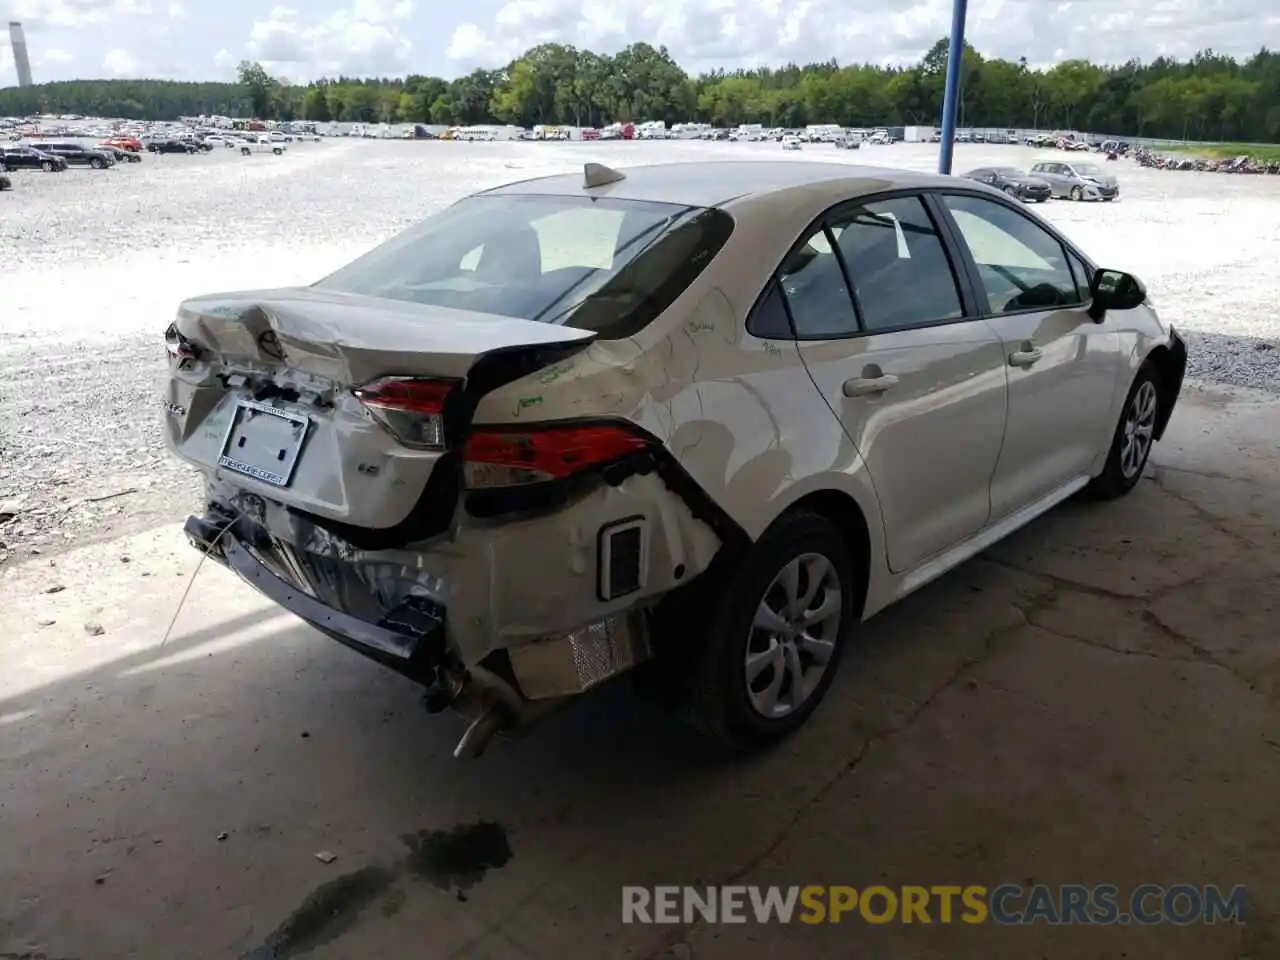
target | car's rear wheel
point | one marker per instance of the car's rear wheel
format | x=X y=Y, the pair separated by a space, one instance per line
x=1077 y=193
x=1133 y=438
x=776 y=638
x=245 y=151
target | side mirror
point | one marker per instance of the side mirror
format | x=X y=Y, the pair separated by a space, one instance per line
x=1114 y=290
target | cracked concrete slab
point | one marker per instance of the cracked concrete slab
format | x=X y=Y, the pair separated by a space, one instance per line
x=1095 y=700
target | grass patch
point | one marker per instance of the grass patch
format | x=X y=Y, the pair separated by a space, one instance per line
x=1225 y=151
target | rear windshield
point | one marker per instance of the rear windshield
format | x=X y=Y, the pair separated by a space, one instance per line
x=599 y=264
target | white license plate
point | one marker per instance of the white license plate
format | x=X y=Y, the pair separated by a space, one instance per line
x=264 y=442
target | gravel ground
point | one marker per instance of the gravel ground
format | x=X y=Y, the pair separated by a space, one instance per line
x=95 y=263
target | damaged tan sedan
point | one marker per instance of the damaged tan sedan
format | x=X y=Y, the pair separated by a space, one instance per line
x=689 y=421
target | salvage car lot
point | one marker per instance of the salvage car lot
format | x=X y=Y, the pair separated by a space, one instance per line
x=1094 y=701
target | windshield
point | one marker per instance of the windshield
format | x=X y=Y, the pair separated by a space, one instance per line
x=600 y=264
x=1009 y=172
x=1087 y=170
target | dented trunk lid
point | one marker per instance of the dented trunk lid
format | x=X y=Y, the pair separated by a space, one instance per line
x=265 y=406
x=350 y=338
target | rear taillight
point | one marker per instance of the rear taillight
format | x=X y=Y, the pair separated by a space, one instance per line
x=410 y=408
x=502 y=458
x=179 y=348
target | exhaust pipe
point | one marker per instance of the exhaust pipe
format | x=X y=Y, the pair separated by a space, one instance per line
x=495 y=707
x=481 y=732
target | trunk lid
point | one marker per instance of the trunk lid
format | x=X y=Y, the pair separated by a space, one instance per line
x=260 y=399
x=351 y=338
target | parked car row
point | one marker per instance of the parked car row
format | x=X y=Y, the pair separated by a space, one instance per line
x=59 y=155
x=1051 y=178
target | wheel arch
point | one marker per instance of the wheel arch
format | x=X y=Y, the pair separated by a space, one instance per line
x=844 y=513
x=1170 y=364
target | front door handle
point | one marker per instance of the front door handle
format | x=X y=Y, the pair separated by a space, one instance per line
x=1025 y=358
x=869 y=386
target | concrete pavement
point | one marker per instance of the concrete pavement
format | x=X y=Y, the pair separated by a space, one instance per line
x=1097 y=700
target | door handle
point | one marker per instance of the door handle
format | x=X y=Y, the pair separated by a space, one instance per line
x=1025 y=358
x=869 y=386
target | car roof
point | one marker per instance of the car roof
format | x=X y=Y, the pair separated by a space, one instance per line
x=717 y=182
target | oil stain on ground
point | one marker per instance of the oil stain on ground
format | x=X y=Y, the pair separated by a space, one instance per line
x=454 y=859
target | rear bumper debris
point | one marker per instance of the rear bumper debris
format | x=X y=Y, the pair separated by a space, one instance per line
x=410 y=639
x=506 y=691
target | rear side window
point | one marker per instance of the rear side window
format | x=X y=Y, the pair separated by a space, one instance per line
x=901 y=273
x=605 y=265
x=816 y=290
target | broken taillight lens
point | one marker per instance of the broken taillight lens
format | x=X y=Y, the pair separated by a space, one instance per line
x=179 y=347
x=502 y=458
x=410 y=408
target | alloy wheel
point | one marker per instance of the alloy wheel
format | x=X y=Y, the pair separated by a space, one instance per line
x=1139 y=427
x=793 y=635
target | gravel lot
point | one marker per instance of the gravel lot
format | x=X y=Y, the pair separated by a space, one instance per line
x=96 y=262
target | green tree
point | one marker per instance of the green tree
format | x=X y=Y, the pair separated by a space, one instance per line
x=260 y=86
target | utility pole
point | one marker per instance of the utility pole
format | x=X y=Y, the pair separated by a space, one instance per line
x=951 y=98
x=21 y=61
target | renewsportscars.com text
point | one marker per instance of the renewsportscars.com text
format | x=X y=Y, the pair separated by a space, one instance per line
x=1009 y=904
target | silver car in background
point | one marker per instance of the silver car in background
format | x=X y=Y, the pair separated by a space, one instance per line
x=1077 y=180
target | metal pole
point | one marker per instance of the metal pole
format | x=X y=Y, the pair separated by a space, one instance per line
x=951 y=98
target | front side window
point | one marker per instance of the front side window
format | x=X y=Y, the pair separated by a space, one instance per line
x=597 y=264
x=1083 y=276
x=1022 y=266
x=901 y=274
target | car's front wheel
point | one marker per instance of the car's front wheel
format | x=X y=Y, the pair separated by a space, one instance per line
x=245 y=151
x=1133 y=438
x=46 y=166
x=96 y=163
x=1077 y=193
x=777 y=636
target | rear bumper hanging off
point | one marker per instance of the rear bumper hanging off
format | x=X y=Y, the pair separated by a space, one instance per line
x=414 y=647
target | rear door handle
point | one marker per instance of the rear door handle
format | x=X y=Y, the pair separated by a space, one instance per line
x=869 y=386
x=1025 y=358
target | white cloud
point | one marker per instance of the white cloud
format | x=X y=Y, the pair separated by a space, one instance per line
x=177 y=11
x=704 y=34
x=118 y=63
x=58 y=56
x=365 y=39
x=37 y=15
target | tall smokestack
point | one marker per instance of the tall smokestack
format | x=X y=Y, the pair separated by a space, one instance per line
x=21 y=62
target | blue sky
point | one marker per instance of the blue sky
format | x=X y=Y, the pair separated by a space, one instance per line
x=204 y=39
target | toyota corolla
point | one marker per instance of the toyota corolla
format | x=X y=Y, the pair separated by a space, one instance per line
x=695 y=422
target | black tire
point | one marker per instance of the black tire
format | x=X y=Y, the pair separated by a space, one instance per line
x=1077 y=194
x=1107 y=199
x=1012 y=191
x=96 y=163
x=721 y=704
x=46 y=166
x=1041 y=199
x=1116 y=480
x=277 y=151
x=245 y=151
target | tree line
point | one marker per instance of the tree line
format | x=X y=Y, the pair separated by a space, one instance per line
x=1209 y=97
